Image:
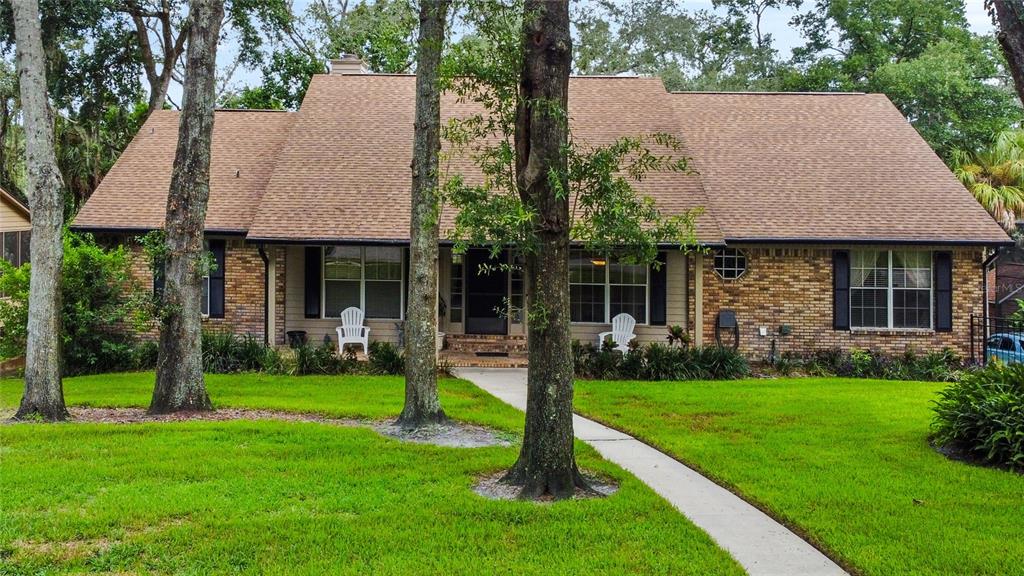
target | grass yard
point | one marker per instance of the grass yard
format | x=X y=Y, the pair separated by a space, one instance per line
x=846 y=462
x=306 y=498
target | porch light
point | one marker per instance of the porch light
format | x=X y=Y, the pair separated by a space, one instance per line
x=599 y=261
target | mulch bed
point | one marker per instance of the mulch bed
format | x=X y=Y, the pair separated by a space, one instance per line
x=960 y=454
x=452 y=434
x=492 y=488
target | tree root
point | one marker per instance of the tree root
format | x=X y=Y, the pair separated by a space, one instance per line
x=538 y=485
x=408 y=421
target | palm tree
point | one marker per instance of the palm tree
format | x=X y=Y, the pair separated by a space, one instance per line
x=995 y=175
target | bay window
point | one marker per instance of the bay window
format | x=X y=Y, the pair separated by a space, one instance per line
x=891 y=289
x=601 y=288
x=369 y=278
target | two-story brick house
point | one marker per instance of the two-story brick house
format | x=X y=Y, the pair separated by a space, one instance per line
x=827 y=222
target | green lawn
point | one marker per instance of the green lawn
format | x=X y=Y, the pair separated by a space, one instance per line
x=846 y=462
x=288 y=497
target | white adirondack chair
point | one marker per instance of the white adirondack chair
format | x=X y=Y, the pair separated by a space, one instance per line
x=352 y=330
x=622 y=333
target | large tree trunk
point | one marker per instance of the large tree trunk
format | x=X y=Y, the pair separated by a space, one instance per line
x=547 y=464
x=422 y=406
x=179 y=371
x=1010 y=17
x=44 y=395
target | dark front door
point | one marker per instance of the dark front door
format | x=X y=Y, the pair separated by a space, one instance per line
x=485 y=293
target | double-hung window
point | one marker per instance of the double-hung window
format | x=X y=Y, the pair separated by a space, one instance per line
x=891 y=289
x=600 y=289
x=369 y=278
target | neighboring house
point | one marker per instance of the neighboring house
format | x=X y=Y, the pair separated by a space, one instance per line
x=1006 y=284
x=828 y=222
x=15 y=229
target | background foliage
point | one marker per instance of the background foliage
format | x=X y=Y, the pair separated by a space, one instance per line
x=100 y=303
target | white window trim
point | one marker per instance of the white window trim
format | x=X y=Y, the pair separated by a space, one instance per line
x=206 y=283
x=608 y=296
x=890 y=290
x=462 y=273
x=362 y=286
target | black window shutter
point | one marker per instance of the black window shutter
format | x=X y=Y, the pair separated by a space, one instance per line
x=405 y=277
x=659 y=291
x=841 y=290
x=943 y=291
x=313 y=256
x=158 y=282
x=217 y=248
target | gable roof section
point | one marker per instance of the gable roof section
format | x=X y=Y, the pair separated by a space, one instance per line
x=825 y=168
x=344 y=173
x=15 y=203
x=133 y=195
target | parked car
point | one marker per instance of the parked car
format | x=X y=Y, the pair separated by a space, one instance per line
x=1008 y=348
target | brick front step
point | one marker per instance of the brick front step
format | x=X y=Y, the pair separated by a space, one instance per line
x=454 y=359
x=472 y=343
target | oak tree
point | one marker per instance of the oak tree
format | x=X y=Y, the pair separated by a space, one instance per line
x=422 y=405
x=44 y=394
x=179 y=374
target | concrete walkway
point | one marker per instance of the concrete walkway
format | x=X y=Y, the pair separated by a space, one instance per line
x=761 y=545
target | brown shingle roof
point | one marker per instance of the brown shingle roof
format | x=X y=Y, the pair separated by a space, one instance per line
x=344 y=173
x=772 y=167
x=831 y=167
x=133 y=195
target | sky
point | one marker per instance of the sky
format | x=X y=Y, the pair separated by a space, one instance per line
x=776 y=23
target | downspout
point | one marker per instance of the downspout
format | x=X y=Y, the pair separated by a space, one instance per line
x=266 y=295
x=984 y=283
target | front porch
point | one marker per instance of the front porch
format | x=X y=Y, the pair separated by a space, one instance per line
x=482 y=306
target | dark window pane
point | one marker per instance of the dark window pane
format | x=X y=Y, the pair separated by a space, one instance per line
x=911 y=308
x=383 y=299
x=869 y=308
x=11 y=247
x=339 y=295
x=586 y=303
x=631 y=300
x=26 y=250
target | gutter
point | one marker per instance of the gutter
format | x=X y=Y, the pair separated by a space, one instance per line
x=872 y=241
x=266 y=294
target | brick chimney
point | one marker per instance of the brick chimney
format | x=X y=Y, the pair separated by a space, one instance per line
x=348 y=64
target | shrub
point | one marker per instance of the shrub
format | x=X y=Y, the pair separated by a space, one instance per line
x=658 y=362
x=322 y=359
x=386 y=358
x=145 y=355
x=940 y=366
x=983 y=415
x=99 y=302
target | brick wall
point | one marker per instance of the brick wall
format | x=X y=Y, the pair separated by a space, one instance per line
x=243 y=288
x=793 y=286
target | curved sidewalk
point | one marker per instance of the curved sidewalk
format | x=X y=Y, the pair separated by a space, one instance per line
x=760 y=544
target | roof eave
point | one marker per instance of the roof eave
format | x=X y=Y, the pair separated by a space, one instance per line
x=872 y=241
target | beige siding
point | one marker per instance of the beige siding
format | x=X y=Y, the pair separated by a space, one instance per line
x=317 y=328
x=676 y=311
x=12 y=219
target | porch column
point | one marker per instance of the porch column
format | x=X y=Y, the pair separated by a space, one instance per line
x=271 y=309
x=698 y=299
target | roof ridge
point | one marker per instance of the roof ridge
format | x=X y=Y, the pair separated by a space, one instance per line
x=767 y=93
